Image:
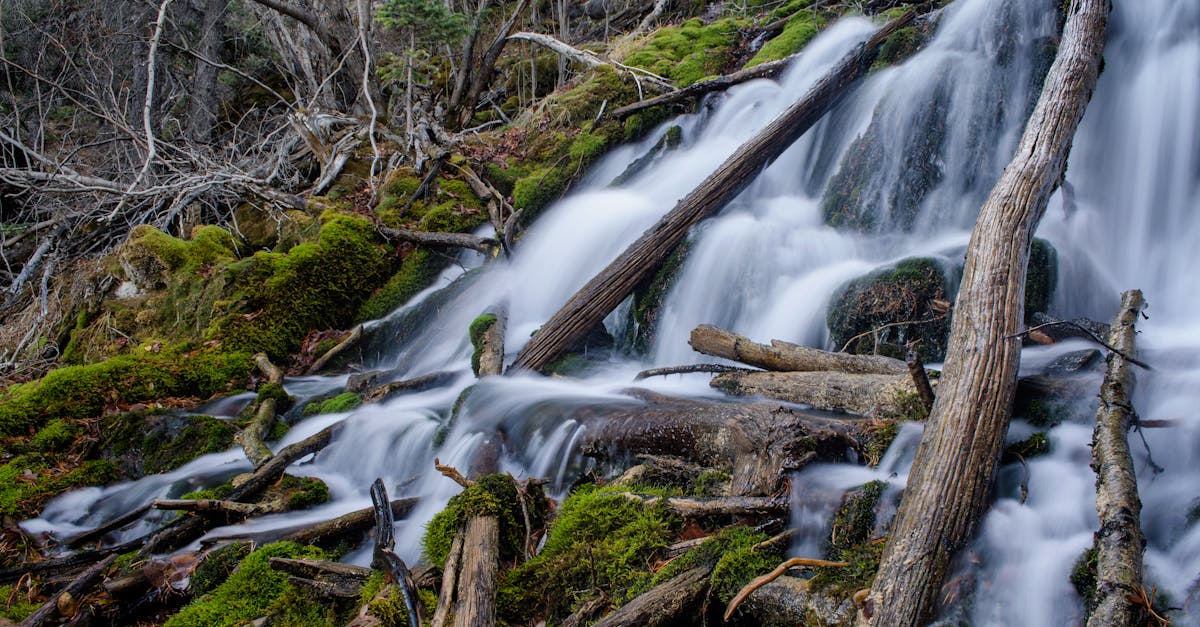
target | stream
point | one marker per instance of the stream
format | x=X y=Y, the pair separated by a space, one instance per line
x=767 y=266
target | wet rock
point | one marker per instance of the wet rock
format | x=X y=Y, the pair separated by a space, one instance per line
x=1073 y=361
x=905 y=305
x=144 y=443
x=1041 y=278
x=1077 y=328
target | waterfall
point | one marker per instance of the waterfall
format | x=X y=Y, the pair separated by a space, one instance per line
x=920 y=145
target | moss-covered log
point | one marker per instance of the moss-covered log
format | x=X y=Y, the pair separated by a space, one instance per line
x=675 y=602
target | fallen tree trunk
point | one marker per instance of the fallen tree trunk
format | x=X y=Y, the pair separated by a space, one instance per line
x=323 y=360
x=693 y=507
x=328 y=579
x=951 y=478
x=862 y=394
x=451 y=240
x=611 y=286
x=252 y=437
x=671 y=603
x=1119 y=541
x=759 y=442
x=785 y=356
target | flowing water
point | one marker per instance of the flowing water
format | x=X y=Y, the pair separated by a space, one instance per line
x=936 y=131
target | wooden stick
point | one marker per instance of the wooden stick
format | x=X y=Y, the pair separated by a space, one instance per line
x=75 y=589
x=920 y=379
x=763 y=580
x=323 y=360
x=452 y=473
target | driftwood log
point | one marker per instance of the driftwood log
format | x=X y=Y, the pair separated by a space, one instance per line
x=785 y=356
x=449 y=240
x=862 y=394
x=1119 y=542
x=759 y=442
x=950 y=483
x=611 y=286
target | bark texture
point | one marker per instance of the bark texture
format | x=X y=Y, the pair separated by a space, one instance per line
x=606 y=290
x=666 y=604
x=862 y=394
x=1119 y=542
x=480 y=563
x=785 y=356
x=952 y=474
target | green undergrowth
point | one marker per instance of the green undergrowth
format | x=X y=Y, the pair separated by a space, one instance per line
x=600 y=544
x=253 y=590
x=491 y=495
x=390 y=609
x=85 y=391
x=28 y=480
x=689 y=52
x=850 y=540
x=732 y=558
x=15 y=605
x=800 y=30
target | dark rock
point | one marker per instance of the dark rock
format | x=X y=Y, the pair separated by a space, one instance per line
x=912 y=298
x=1067 y=329
x=1073 y=361
x=363 y=381
x=1041 y=278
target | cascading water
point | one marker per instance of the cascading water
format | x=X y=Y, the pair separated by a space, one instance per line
x=919 y=145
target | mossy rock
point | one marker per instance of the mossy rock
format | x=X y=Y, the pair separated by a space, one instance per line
x=850 y=540
x=800 y=30
x=649 y=297
x=689 y=52
x=479 y=327
x=149 y=255
x=85 y=391
x=1041 y=278
x=145 y=443
x=600 y=544
x=254 y=590
x=28 y=480
x=216 y=566
x=1035 y=445
x=904 y=297
x=343 y=402
x=731 y=555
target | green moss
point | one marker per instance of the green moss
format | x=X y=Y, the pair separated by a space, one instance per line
x=710 y=483
x=850 y=541
x=452 y=217
x=1041 y=278
x=57 y=435
x=253 y=591
x=85 y=391
x=144 y=443
x=600 y=544
x=897 y=304
x=536 y=191
x=304 y=492
x=1042 y=413
x=28 y=480
x=1032 y=446
x=649 y=297
x=343 y=402
x=216 y=492
x=901 y=45
x=1083 y=578
x=14 y=605
x=316 y=285
x=416 y=272
x=689 y=52
x=799 y=31
x=731 y=555
x=491 y=495
x=878 y=438
x=479 y=326
x=216 y=566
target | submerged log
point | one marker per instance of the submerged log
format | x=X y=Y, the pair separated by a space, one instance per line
x=1119 y=541
x=951 y=479
x=674 y=602
x=785 y=356
x=611 y=286
x=862 y=394
x=759 y=442
x=385 y=391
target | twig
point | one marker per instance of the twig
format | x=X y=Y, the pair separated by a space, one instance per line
x=1095 y=338
x=659 y=372
x=452 y=473
x=759 y=582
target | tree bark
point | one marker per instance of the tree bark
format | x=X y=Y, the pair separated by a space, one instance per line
x=477 y=584
x=785 y=356
x=952 y=474
x=202 y=106
x=862 y=394
x=670 y=603
x=605 y=291
x=491 y=349
x=1119 y=541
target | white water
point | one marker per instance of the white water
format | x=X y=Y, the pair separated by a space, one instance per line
x=767 y=265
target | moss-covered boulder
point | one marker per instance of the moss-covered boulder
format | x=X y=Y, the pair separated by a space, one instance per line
x=889 y=310
x=689 y=52
x=648 y=300
x=145 y=443
x=1041 y=279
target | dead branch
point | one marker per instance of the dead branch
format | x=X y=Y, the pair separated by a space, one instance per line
x=669 y=370
x=385 y=557
x=693 y=507
x=763 y=580
x=920 y=379
x=1089 y=333
x=74 y=590
x=453 y=474
x=427 y=238
x=785 y=356
x=349 y=341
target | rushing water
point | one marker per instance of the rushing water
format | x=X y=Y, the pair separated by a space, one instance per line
x=942 y=126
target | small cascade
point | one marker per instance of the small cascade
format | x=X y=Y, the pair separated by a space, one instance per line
x=907 y=159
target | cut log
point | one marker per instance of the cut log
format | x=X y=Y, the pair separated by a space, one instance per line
x=862 y=394
x=920 y=379
x=614 y=284
x=73 y=590
x=951 y=479
x=759 y=442
x=675 y=602
x=1119 y=542
x=476 y=605
x=785 y=356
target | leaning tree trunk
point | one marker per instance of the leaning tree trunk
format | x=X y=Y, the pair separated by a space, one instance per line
x=612 y=285
x=952 y=474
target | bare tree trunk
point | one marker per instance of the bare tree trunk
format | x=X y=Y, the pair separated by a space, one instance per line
x=480 y=563
x=952 y=475
x=606 y=290
x=482 y=75
x=202 y=109
x=1119 y=541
